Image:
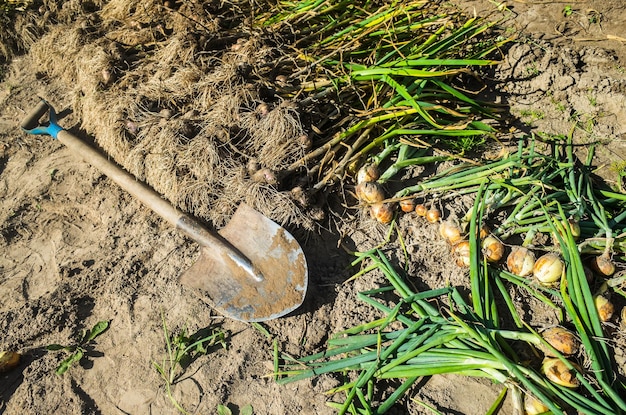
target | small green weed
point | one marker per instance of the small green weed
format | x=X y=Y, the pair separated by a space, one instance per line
x=80 y=349
x=593 y=101
x=225 y=410
x=532 y=69
x=594 y=16
x=182 y=350
x=568 y=11
x=532 y=115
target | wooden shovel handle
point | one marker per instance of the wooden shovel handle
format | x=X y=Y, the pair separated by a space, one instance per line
x=139 y=190
x=192 y=228
x=124 y=179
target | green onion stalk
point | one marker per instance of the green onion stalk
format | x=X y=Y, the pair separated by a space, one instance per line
x=526 y=184
x=385 y=72
x=435 y=340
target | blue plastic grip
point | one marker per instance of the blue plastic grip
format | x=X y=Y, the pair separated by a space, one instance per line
x=31 y=123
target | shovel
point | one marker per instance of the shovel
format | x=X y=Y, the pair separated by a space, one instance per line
x=252 y=269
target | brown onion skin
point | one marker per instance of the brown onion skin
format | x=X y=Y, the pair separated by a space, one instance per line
x=370 y=192
x=604 y=306
x=557 y=372
x=603 y=265
x=433 y=215
x=368 y=173
x=493 y=249
x=9 y=360
x=407 y=205
x=520 y=261
x=549 y=269
x=382 y=212
x=421 y=210
x=461 y=253
x=450 y=232
x=563 y=340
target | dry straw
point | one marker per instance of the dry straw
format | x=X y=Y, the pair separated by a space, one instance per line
x=177 y=108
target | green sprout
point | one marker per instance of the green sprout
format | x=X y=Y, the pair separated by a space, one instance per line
x=79 y=349
x=182 y=350
x=568 y=11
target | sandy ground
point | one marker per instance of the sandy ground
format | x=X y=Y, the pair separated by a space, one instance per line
x=77 y=250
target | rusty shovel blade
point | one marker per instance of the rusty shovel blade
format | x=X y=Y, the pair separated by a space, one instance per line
x=276 y=255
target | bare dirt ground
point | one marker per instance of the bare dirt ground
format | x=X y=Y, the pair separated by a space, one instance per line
x=77 y=250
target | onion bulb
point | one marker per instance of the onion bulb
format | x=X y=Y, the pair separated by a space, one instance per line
x=533 y=406
x=450 y=232
x=407 y=205
x=461 y=253
x=370 y=192
x=421 y=210
x=603 y=265
x=556 y=371
x=493 y=249
x=382 y=212
x=484 y=232
x=520 y=261
x=265 y=176
x=433 y=215
x=604 y=306
x=562 y=340
x=368 y=173
x=301 y=196
x=574 y=227
x=8 y=360
x=107 y=76
x=549 y=269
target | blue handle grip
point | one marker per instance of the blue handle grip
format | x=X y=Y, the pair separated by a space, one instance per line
x=32 y=123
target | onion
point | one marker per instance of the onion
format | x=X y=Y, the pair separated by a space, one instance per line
x=556 y=371
x=493 y=249
x=450 y=232
x=301 y=196
x=461 y=253
x=253 y=165
x=368 y=173
x=407 y=205
x=574 y=227
x=603 y=265
x=107 y=76
x=484 y=232
x=549 y=269
x=433 y=215
x=533 y=406
x=8 y=360
x=370 y=192
x=132 y=127
x=265 y=176
x=520 y=261
x=604 y=306
x=305 y=141
x=421 y=210
x=562 y=340
x=382 y=212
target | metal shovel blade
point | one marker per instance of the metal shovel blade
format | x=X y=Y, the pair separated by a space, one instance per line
x=275 y=254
